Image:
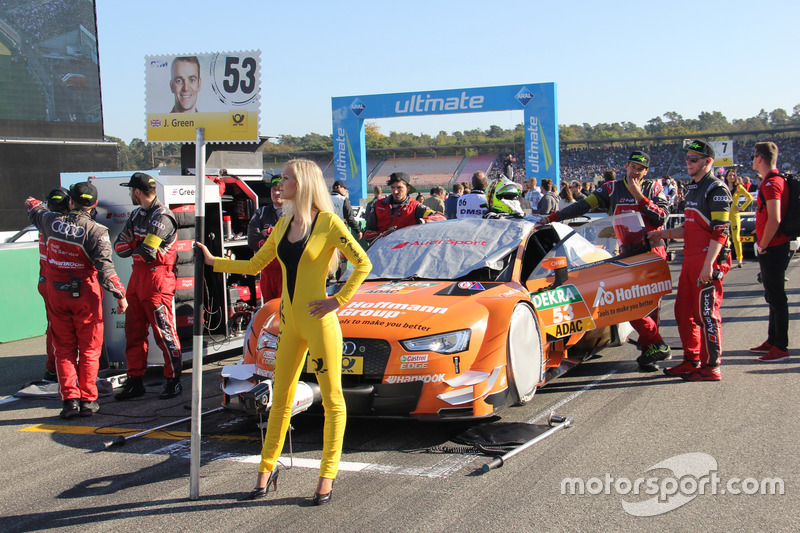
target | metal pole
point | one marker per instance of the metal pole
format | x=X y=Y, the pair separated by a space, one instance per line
x=197 y=326
x=499 y=461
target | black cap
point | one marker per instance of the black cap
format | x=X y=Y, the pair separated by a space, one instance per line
x=140 y=180
x=701 y=147
x=394 y=177
x=273 y=180
x=641 y=158
x=337 y=184
x=58 y=199
x=83 y=194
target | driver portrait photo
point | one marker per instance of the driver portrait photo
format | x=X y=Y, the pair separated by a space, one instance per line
x=185 y=83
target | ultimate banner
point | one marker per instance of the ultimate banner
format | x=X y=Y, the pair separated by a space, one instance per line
x=537 y=101
x=219 y=92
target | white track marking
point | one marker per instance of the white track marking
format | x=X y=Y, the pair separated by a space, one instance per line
x=448 y=465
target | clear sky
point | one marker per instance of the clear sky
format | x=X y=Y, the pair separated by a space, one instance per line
x=612 y=61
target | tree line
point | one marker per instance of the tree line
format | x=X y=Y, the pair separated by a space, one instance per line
x=139 y=154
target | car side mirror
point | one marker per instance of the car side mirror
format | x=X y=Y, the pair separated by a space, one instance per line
x=559 y=267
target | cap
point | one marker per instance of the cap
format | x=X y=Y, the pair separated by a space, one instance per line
x=394 y=177
x=83 y=194
x=701 y=147
x=273 y=180
x=337 y=184
x=58 y=199
x=641 y=158
x=140 y=180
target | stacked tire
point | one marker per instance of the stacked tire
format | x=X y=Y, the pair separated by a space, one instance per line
x=184 y=271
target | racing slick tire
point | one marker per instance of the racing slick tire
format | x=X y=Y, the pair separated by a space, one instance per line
x=524 y=354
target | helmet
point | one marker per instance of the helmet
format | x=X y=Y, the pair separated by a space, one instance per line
x=502 y=196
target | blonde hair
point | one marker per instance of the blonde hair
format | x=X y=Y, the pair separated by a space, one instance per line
x=312 y=193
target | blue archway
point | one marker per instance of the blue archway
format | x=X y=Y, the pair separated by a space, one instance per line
x=536 y=100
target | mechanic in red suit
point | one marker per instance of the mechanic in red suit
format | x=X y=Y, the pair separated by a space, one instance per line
x=258 y=230
x=149 y=236
x=706 y=260
x=57 y=201
x=396 y=210
x=79 y=265
x=632 y=193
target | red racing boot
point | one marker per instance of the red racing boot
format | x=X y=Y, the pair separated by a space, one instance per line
x=683 y=369
x=706 y=373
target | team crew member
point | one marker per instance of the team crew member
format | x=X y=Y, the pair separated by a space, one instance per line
x=149 y=236
x=632 y=194
x=342 y=207
x=306 y=242
x=58 y=202
x=773 y=250
x=706 y=260
x=397 y=210
x=473 y=204
x=259 y=229
x=78 y=266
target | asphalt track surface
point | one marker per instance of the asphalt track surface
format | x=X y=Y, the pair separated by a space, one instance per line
x=625 y=423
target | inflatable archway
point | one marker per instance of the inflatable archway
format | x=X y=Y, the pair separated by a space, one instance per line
x=536 y=100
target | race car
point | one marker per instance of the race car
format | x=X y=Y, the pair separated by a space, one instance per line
x=461 y=318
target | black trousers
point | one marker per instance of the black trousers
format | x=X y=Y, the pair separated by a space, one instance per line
x=774 y=262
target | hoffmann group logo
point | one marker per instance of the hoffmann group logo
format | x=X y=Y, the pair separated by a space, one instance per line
x=692 y=475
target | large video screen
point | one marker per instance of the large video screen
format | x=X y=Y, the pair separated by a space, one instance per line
x=49 y=76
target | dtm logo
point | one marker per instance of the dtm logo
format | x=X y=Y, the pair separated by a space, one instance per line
x=68 y=229
x=524 y=96
x=357 y=107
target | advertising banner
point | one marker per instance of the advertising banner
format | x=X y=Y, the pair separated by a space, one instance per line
x=537 y=101
x=220 y=92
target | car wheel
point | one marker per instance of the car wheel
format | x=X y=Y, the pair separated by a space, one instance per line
x=524 y=352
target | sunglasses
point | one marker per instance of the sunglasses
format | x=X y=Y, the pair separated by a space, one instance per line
x=694 y=159
x=752 y=157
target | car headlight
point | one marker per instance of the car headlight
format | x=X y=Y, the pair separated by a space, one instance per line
x=451 y=342
x=267 y=340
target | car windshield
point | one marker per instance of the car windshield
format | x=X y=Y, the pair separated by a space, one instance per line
x=471 y=248
x=600 y=240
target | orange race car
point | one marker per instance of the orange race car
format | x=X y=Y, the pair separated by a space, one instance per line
x=460 y=318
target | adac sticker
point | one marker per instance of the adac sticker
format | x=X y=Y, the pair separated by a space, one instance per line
x=562 y=311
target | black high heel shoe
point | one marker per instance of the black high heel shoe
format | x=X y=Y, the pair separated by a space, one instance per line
x=260 y=492
x=320 y=499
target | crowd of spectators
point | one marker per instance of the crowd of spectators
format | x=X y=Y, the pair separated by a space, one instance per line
x=588 y=164
x=44 y=19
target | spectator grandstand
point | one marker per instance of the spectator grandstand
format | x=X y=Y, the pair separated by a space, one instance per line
x=479 y=163
x=425 y=172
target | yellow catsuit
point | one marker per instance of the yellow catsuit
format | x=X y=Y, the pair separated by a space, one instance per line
x=300 y=331
x=736 y=222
